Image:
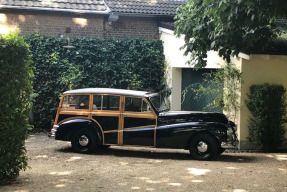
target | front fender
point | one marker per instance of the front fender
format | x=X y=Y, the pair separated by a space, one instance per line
x=66 y=129
x=179 y=135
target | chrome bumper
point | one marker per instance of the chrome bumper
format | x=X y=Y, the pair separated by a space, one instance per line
x=232 y=141
x=53 y=131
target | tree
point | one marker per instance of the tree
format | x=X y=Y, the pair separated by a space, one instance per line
x=228 y=26
x=16 y=76
x=267 y=104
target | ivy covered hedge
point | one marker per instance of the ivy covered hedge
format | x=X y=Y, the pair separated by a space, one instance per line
x=127 y=64
x=15 y=100
x=267 y=104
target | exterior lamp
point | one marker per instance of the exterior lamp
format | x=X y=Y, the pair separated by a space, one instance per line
x=112 y=18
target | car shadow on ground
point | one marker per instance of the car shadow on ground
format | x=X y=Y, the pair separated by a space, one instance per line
x=161 y=154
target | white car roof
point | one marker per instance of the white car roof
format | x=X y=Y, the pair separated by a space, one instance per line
x=110 y=91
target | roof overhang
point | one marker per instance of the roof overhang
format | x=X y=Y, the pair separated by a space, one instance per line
x=143 y=15
x=78 y=11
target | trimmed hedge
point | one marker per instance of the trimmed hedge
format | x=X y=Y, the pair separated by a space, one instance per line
x=15 y=88
x=127 y=64
x=267 y=104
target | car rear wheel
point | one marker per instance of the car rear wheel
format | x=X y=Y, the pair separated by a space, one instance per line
x=83 y=141
x=203 y=147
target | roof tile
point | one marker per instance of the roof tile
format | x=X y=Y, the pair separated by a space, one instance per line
x=153 y=7
x=77 y=5
x=147 y=7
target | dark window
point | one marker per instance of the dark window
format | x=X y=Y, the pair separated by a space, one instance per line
x=76 y=102
x=136 y=105
x=106 y=102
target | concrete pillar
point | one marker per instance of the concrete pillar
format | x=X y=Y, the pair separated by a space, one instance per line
x=176 y=89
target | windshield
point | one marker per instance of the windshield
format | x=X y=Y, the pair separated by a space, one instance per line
x=158 y=102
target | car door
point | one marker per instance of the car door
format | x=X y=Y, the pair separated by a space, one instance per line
x=139 y=122
x=106 y=112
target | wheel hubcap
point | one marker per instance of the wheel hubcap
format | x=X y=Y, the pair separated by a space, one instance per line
x=202 y=147
x=83 y=140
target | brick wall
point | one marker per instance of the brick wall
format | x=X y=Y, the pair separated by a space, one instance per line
x=146 y=28
x=56 y=24
x=53 y=24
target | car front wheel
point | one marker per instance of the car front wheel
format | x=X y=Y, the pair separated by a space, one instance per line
x=203 y=147
x=83 y=141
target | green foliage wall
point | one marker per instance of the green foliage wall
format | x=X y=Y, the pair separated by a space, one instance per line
x=128 y=64
x=267 y=104
x=15 y=88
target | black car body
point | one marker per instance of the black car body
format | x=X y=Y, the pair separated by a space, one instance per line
x=95 y=117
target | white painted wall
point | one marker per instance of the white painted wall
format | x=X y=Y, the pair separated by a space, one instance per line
x=175 y=61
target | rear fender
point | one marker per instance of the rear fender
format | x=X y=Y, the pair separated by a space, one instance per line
x=68 y=128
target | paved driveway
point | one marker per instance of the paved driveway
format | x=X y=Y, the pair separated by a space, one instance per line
x=54 y=167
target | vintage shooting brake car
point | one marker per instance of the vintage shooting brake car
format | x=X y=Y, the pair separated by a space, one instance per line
x=95 y=117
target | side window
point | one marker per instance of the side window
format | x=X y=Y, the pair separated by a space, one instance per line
x=75 y=102
x=136 y=105
x=106 y=102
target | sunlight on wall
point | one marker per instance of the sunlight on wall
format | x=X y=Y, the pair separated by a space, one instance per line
x=3 y=18
x=4 y=27
x=80 y=21
x=195 y=171
x=22 y=18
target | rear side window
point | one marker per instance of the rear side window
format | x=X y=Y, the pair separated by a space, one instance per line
x=136 y=105
x=106 y=102
x=75 y=102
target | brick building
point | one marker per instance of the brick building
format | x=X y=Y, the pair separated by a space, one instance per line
x=90 y=18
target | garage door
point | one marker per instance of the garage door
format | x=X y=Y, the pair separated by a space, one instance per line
x=191 y=102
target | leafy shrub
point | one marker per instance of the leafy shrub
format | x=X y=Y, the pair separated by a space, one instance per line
x=15 y=88
x=127 y=64
x=267 y=105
